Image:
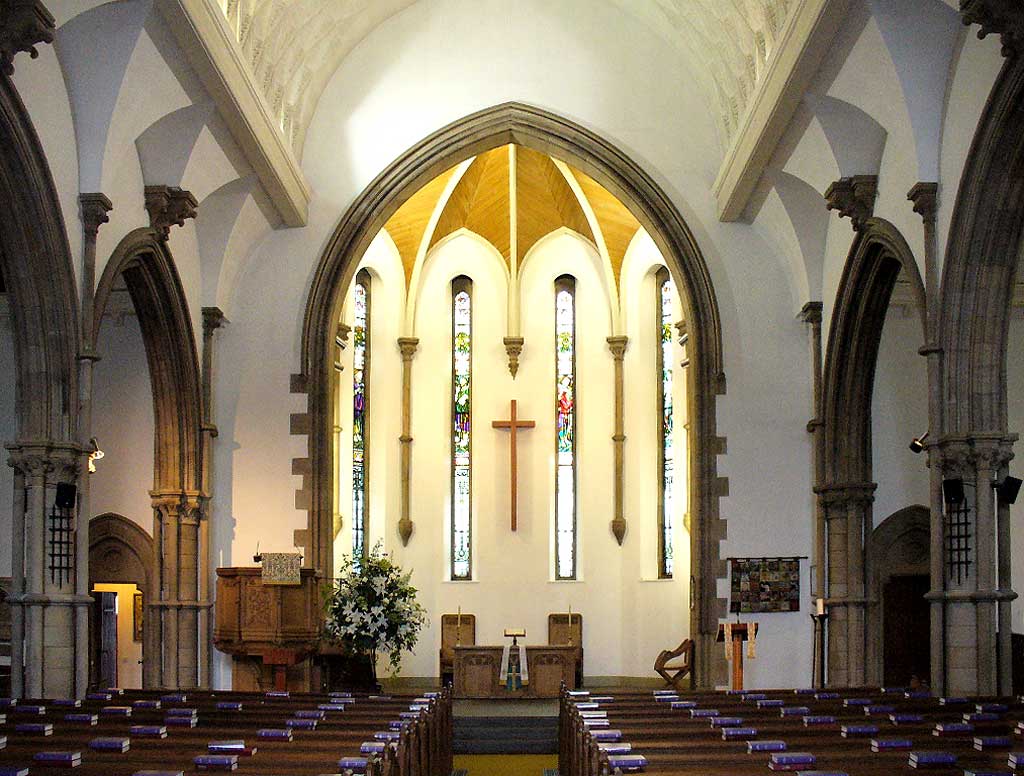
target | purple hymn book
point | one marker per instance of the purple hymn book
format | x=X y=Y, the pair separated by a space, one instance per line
x=275 y=734
x=301 y=724
x=372 y=747
x=145 y=704
x=88 y=719
x=229 y=706
x=627 y=762
x=888 y=744
x=931 y=759
x=216 y=762
x=72 y=702
x=738 y=733
x=110 y=744
x=35 y=728
x=765 y=746
x=607 y=735
x=355 y=764
x=387 y=735
x=148 y=731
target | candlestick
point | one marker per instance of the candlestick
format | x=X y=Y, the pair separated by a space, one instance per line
x=458 y=628
x=570 y=625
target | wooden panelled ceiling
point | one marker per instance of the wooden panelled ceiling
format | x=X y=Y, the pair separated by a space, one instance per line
x=618 y=225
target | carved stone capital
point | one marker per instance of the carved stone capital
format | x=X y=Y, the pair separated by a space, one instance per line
x=213 y=319
x=617 y=345
x=95 y=207
x=46 y=461
x=1002 y=17
x=186 y=507
x=23 y=24
x=925 y=197
x=811 y=313
x=513 y=349
x=853 y=198
x=169 y=206
x=847 y=494
x=408 y=345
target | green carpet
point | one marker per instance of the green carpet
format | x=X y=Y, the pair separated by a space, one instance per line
x=506 y=764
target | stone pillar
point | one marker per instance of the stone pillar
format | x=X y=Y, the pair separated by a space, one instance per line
x=213 y=319
x=408 y=347
x=44 y=595
x=617 y=345
x=847 y=512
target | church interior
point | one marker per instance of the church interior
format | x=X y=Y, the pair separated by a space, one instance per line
x=451 y=372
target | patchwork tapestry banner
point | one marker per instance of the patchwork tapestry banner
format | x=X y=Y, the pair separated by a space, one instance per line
x=765 y=585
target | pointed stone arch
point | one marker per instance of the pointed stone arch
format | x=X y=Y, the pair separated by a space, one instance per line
x=178 y=609
x=621 y=176
x=878 y=257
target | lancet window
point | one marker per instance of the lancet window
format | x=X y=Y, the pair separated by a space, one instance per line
x=666 y=451
x=360 y=377
x=462 y=419
x=565 y=428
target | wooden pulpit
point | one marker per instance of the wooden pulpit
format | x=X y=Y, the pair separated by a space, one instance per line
x=269 y=630
x=738 y=632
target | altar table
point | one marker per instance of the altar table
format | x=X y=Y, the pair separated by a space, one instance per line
x=477 y=671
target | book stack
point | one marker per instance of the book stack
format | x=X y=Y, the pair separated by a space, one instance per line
x=684 y=704
x=235 y=747
x=627 y=763
x=726 y=722
x=348 y=695
x=931 y=759
x=309 y=714
x=812 y=720
x=58 y=759
x=952 y=728
x=174 y=697
x=99 y=696
x=72 y=702
x=148 y=731
x=301 y=724
x=110 y=744
x=354 y=764
x=666 y=698
x=30 y=709
x=145 y=704
x=794 y=711
x=82 y=718
x=216 y=762
x=850 y=731
x=396 y=724
x=656 y=693
x=765 y=746
x=754 y=696
x=620 y=748
x=606 y=736
x=229 y=706
x=890 y=744
x=34 y=728
x=116 y=711
x=275 y=734
x=372 y=747
x=595 y=723
x=998 y=708
x=738 y=733
x=983 y=743
x=420 y=706
x=770 y=703
x=181 y=718
x=905 y=718
x=791 y=761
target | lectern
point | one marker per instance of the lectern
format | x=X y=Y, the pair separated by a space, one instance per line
x=735 y=634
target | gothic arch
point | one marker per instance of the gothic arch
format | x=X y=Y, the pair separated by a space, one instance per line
x=120 y=551
x=565 y=140
x=845 y=488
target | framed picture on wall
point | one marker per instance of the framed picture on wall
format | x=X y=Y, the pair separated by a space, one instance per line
x=137 y=616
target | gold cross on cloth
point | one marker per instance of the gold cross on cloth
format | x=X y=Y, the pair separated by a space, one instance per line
x=513 y=424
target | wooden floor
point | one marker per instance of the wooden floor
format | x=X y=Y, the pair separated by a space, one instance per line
x=339 y=734
x=676 y=743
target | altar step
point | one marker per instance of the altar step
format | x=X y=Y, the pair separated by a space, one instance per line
x=506 y=735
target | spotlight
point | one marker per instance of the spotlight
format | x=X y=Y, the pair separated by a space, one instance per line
x=917 y=445
x=953 y=491
x=95 y=455
x=1007 y=490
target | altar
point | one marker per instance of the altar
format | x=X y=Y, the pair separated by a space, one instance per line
x=477 y=672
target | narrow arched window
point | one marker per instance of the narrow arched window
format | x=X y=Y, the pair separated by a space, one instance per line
x=462 y=421
x=360 y=428
x=565 y=428
x=666 y=452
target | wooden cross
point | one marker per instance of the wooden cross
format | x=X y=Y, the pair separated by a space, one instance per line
x=512 y=424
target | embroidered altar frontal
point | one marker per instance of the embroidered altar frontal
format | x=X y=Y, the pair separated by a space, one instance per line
x=765 y=585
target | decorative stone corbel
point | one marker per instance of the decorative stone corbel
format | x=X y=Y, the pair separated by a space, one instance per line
x=514 y=349
x=169 y=206
x=854 y=198
x=1002 y=17
x=341 y=341
x=23 y=24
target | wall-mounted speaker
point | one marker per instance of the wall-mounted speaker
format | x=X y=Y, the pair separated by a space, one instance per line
x=953 y=491
x=66 y=495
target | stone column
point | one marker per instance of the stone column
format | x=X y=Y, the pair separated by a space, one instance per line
x=408 y=347
x=1004 y=594
x=94 y=214
x=617 y=345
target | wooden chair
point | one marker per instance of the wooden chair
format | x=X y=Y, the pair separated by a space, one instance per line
x=560 y=631
x=451 y=634
x=672 y=665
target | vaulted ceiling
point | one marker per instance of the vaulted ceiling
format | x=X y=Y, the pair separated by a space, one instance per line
x=294 y=46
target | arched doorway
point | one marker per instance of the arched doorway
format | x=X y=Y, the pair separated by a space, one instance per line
x=121 y=563
x=514 y=123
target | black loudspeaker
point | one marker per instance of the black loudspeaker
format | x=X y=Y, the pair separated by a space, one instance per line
x=953 y=491
x=66 y=495
x=1007 y=490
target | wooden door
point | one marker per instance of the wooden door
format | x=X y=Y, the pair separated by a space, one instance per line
x=108 y=639
x=907 y=639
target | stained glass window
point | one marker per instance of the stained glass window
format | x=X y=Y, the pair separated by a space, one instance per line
x=666 y=453
x=565 y=428
x=462 y=418
x=360 y=374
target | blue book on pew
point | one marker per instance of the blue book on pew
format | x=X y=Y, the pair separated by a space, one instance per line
x=183 y=712
x=372 y=747
x=848 y=731
x=30 y=709
x=905 y=718
x=794 y=711
x=983 y=716
x=850 y=702
x=889 y=744
x=664 y=692
x=893 y=690
x=765 y=746
x=116 y=711
x=110 y=744
x=952 y=700
x=701 y=713
x=587 y=705
x=65 y=759
x=275 y=734
x=7 y=703
x=619 y=748
x=229 y=706
x=879 y=708
x=301 y=724
x=738 y=733
x=593 y=714
x=115 y=690
x=595 y=723
x=369 y=697
x=419 y=706
x=607 y=735
x=174 y=697
x=142 y=704
x=822 y=773
x=952 y=728
x=602 y=698
x=236 y=747
x=309 y=714
x=804 y=691
x=998 y=708
x=189 y=722
x=72 y=702
x=216 y=762
x=577 y=693
x=825 y=696
x=931 y=759
x=331 y=706
x=791 y=761
x=982 y=743
x=148 y=731
x=819 y=719
x=82 y=717
x=684 y=704
x=917 y=695
x=666 y=698
x=354 y=764
x=409 y=714
x=13 y=770
x=627 y=763
x=771 y=703
x=387 y=735
x=726 y=722
x=349 y=695
x=396 y=724
x=278 y=694
x=754 y=696
x=99 y=696
x=1015 y=759
x=3 y=742
x=34 y=728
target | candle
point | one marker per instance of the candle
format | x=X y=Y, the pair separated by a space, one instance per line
x=570 y=625
x=821 y=606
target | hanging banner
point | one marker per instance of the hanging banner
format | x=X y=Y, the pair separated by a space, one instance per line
x=765 y=585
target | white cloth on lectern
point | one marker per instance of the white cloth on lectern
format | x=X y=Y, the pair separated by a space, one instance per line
x=524 y=673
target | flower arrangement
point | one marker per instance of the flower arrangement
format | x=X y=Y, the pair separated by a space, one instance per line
x=371 y=608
